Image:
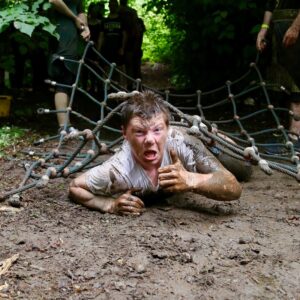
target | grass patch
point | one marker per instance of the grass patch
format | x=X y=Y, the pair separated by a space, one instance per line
x=9 y=136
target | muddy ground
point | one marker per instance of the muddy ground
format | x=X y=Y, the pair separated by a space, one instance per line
x=190 y=248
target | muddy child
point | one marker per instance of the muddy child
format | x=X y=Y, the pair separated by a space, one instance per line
x=155 y=158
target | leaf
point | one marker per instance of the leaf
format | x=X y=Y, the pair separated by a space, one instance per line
x=51 y=29
x=46 y=6
x=24 y=28
x=36 y=5
x=3 y=27
x=23 y=18
x=43 y=20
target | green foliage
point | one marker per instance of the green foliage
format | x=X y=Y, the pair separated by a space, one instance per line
x=23 y=24
x=205 y=41
x=157 y=42
x=210 y=41
x=9 y=135
x=157 y=38
x=25 y=16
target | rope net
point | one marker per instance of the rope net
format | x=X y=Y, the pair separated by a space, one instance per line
x=258 y=130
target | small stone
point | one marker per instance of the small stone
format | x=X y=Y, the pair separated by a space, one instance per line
x=186 y=257
x=243 y=240
x=140 y=268
x=15 y=201
x=159 y=254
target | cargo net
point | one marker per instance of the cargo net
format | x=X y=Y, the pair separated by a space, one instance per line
x=241 y=110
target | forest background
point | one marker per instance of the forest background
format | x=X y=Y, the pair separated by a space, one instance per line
x=205 y=42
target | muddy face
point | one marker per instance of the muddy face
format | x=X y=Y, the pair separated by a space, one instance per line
x=147 y=139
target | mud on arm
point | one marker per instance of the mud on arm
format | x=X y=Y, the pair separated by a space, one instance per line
x=124 y=204
x=212 y=179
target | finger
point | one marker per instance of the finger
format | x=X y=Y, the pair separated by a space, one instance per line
x=167 y=169
x=167 y=183
x=129 y=200
x=133 y=199
x=130 y=209
x=166 y=176
x=138 y=201
x=174 y=156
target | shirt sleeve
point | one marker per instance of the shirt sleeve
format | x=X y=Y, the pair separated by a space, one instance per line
x=108 y=179
x=98 y=180
x=205 y=161
x=193 y=154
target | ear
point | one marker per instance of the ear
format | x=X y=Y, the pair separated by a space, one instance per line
x=124 y=132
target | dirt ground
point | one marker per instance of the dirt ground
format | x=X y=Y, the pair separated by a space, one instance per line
x=190 y=248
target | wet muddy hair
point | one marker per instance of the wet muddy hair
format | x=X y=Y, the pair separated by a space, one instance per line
x=145 y=105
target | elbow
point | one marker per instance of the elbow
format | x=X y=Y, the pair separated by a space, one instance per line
x=229 y=188
x=236 y=194
x=72 y=190
x=233 y=190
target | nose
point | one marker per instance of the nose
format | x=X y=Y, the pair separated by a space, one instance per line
x=149 y=139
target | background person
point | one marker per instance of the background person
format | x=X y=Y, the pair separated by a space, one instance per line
x=129 y=18
x=283 y=19
x=71 y=26
x=138 y=51
x=95 y=17
x=113 y=36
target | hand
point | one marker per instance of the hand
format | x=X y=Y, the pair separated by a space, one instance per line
x=290 y=37
x=85 y=33
x=79 y=24
x=127 y=204
x=83 y=29
x=261 y=40
x=175 y=178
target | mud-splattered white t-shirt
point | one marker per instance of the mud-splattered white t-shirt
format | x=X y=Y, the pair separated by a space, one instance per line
x=121 y=172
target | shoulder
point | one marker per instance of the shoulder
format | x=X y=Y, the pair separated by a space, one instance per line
x=192 y=151
x=103 y=178
x=176 y=141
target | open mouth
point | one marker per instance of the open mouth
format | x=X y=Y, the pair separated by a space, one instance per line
x=150 y=154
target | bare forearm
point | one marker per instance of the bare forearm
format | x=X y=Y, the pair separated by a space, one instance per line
x=83 y=18
x=61 y=7
x=86 y=198
x=267 y=17
x=296 y=23
x=218 y=185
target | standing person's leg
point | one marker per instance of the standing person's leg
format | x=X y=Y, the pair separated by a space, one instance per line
x=61 y=100
x=62 y=93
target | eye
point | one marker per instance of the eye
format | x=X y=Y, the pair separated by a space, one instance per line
x=139 y=132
